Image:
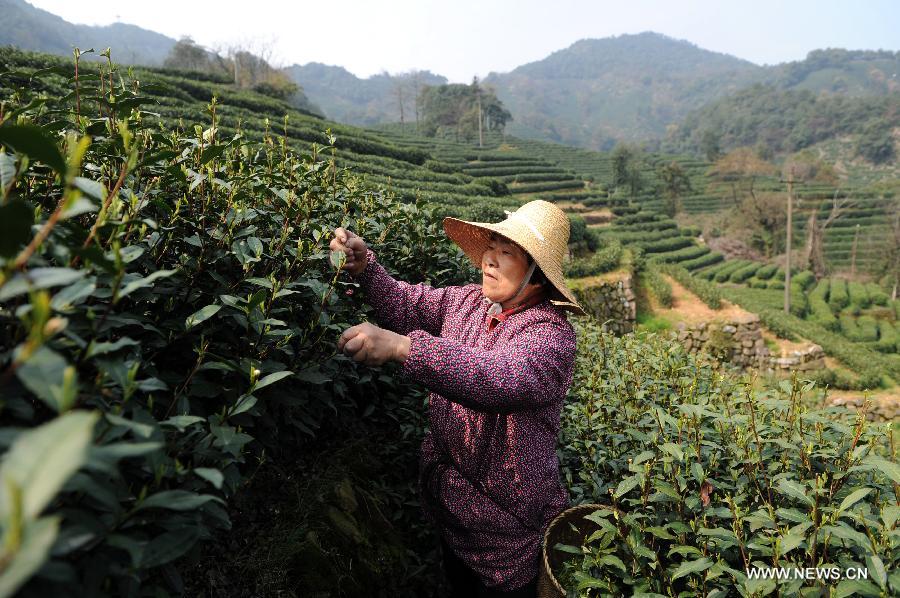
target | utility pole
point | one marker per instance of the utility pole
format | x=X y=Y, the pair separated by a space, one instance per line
x=787 y=263
x=853 y=253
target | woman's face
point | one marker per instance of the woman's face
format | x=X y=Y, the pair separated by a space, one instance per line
x=503 y=266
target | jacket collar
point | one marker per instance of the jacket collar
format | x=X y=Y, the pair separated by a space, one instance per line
x=494 y=319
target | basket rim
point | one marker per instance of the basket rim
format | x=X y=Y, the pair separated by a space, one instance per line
x=553 y=523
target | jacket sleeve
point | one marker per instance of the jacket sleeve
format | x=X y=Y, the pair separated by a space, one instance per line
x=400 y=306
x=534 y=370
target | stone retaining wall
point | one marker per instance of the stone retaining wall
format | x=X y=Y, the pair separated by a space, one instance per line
x=741 y=343
x=608 y=297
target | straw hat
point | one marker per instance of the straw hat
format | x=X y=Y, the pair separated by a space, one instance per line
x=540 y=228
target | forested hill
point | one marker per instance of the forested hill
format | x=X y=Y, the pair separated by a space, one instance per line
x=778 y=121
x=351 y=99
x=627 y=87
x=634 y=87
x=30 y=28
x=639 y=88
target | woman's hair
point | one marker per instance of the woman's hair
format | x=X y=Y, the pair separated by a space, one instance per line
x=538 y=276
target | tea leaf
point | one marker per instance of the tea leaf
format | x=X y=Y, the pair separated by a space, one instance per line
x=853 y=498
x=794 y=490
x=201 y=316
x=34 y=143
x=688 y=567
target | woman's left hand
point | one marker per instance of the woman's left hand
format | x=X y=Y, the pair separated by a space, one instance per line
x=372 y=345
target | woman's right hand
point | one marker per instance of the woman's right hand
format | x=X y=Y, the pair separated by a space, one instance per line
x=352 y=245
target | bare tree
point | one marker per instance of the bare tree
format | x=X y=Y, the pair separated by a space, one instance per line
x=815 y=232
x=892 y=261
x=398 y=91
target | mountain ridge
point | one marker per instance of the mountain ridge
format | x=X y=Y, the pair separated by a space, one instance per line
x=594 y=93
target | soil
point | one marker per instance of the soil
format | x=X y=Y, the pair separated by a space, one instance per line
x=572 y=206
x=786 y=346
x=688 y=308
x=603 y=216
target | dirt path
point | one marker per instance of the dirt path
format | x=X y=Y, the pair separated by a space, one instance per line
x=688 y=308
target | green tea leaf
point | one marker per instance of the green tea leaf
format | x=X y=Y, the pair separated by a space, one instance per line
x=794 y=490
x=627 y=484
x=178 y=500
x=34 y=143
x=567 y=548
x=169 y=546
x=853 y=498
x=42 y=459
x=213 y=476
x=272 y=379
x=144 y=282
x=688 y=567
x=889 y=468
x=38 y=278
x=45 y=375
x=201 y=315
x=37 y=540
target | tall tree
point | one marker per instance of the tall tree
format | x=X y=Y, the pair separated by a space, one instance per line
x=675 y=183
x=738 y=171
x=622 y=157
x=454 y=109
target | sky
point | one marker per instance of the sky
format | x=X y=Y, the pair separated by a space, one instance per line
x=466 y=38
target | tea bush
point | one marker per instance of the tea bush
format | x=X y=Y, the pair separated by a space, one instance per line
x=658 y=285
x=179 y=284
x=606 y=259
x=706 y=477
x=705 y=290
x=820 y=311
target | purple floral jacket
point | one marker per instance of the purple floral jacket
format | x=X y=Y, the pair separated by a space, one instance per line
x=489 y=475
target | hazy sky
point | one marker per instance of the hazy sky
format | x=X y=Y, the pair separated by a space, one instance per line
x=462 y=38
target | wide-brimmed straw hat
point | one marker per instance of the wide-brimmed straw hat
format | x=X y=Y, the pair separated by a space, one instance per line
x=540 y=228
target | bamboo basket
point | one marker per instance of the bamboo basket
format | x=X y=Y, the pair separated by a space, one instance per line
x=559 y=530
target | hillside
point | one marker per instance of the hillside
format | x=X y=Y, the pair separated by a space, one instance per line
x=626 y=87
x=30 y=28
x=596 y=92
x=178 y=419
x=357 y=101
x=779 y=121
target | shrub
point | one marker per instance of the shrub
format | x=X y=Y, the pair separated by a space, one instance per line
x=654 y=433
x=865 y=363
x=804 y=279
x=202 y=331
x=744 y=272
x=658 y=286
x=888 y=337
x=707 y=292
x=494 y=187
x=606 y=259
x=868 y=328
x=837 y=294
x=702 y=261
x=820 y=312
x=877 y=296
x=725 y=273
x=766 y=272
x=681 y=255
x=857 y=293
